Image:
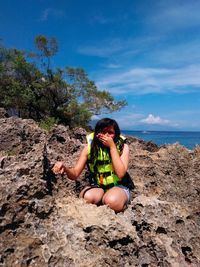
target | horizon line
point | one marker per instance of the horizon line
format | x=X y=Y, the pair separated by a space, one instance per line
x=186 y=131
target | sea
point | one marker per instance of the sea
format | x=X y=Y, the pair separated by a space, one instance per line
x=187 y=139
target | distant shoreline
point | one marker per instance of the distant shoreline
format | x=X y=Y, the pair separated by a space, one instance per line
x=186 y=138
x=147 y=131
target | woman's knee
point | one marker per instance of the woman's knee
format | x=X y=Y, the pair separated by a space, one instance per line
x=114 y=202
x=93 y=195
x=89 y=197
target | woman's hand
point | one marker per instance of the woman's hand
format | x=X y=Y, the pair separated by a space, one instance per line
x=106 y=140
x=58 y=167
x=73 y=172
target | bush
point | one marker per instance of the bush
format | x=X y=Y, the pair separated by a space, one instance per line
x=48 y=123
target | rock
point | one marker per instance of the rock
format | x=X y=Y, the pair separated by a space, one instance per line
x=44 y=223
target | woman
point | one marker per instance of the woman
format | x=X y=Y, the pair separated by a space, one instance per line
x=106 y=156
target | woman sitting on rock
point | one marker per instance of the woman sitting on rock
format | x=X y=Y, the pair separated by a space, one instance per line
x=106 y=156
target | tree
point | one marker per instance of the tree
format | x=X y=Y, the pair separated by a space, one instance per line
x=48 y=47
x=19 y=84
x=67 y=95
x=97 y=101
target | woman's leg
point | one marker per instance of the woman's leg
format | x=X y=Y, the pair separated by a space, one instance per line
x=92 y=195
x=116 y=198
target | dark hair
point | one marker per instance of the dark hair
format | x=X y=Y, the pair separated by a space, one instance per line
x=107 y=122
x=101 y=124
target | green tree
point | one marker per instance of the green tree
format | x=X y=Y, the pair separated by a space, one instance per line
x=96 y=101
x=47 y=47
x=39 y=92
x=19 y=84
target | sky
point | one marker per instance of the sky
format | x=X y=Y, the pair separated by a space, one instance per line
x=144 y=51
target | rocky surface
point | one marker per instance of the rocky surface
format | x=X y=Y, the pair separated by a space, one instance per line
x=44 y=223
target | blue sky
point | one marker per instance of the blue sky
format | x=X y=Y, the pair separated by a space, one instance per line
x=144 y=51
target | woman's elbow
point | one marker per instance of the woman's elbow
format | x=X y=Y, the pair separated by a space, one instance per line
x=73 y=174
x=121 y=174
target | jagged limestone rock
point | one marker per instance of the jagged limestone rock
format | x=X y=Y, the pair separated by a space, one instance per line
x=44 y=223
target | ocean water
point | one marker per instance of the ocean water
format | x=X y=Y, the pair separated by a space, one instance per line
x=187 y=139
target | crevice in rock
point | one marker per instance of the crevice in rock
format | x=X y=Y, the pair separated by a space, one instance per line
x=58 y=138
x=41 y=214
x=123 y=241
x=29 y=260
x=161 y=230
x=39 y=194
x=2 y=163
x=23 y=191
x=44 y=215
x=140 y=227
x=187 y=252
x=88 y=229
x=179 y=221
x=9 y=250
x=5 y=207
x=11 y=226
x=48 y=174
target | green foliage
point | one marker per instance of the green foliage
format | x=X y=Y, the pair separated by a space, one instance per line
x=48 y=123
x=50 y=96
x=97 y=101
x=47 y=47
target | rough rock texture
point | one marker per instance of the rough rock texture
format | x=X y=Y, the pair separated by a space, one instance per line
x=44 y=223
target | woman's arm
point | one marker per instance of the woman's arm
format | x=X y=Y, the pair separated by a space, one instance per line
x=74 y=172
x=120 y=163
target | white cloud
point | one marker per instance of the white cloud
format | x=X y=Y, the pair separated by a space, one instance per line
x=133 y=120
x=151 y=119
x=140 y=81
x=105 y=49
x=95 y=117
x=118 y=48
x=179 y=54
x=113 y=66
x=175 y=16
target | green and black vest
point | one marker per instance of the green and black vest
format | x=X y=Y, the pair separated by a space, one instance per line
x=100 y=168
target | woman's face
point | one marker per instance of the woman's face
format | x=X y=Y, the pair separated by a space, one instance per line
x=109 y=131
